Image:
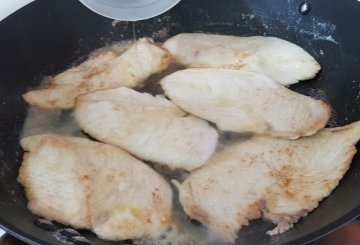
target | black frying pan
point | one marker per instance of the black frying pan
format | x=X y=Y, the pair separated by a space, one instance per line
x=46 y=37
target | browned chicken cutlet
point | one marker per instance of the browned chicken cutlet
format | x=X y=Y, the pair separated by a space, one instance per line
x=281 y=180
x=94 y=186
x=103 y=70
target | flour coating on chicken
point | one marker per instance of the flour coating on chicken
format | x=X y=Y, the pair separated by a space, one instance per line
x=283 y=61
x=282 y=180
x=245 y=102
x=103 y=70
x=151 y=128
x=94 y=186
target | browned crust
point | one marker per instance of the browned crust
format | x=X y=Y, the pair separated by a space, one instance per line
x=320 y=123
x=314 y=127
x=50 y=104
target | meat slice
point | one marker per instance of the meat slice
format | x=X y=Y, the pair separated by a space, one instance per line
x=94 y=186
x=315 y=167
x=151 y=128
x=283 y=61
x=242 y=101
x=103 y=70
x=283 y=180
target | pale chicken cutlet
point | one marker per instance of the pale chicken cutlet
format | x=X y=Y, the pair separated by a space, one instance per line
x=94 y=186
x=282 y=61
x=103 y=70
x=151 y=128
x=245 y=102
x=281 y=180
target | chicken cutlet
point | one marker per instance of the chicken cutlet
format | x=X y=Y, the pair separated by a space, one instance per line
x=95 y=186
x=151 y=128
x=245 y=102
x=283 y=61
x=281 y=180
x=103 y=70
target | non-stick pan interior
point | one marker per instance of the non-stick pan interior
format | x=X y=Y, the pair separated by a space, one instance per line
x=47 y=37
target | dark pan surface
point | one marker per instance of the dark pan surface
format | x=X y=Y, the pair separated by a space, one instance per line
x=46 y=37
